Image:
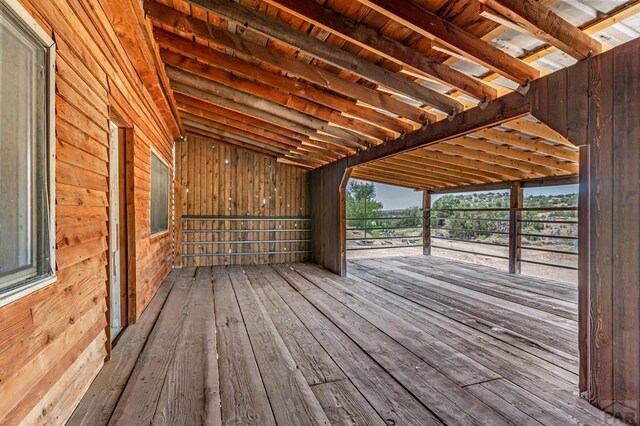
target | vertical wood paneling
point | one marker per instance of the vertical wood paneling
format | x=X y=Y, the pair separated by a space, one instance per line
x=328 y=247
x=222 y=180
x=626 y=228
x=601 y=226
x=53 y=342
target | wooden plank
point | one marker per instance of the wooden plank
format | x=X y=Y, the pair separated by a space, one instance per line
x=140 y=397
x=369 y=39
x=291 y=399
x=508 y=107
x=446 y=402
x=601 y=71
x=390 y=400
x=270 y=27
x=247 y=49
x=432 y=26
x=242 y=391
x=546 y=25
x=626 y=233
x=344 y=405
x=190 y=391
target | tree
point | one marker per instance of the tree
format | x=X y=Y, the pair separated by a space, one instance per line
x=361 y=203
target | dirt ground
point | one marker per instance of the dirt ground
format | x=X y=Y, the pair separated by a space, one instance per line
x=552 y=273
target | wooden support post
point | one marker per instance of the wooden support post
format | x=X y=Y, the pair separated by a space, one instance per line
x=515 y=227
x=426 y=223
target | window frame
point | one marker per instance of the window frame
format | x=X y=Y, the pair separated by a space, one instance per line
x=153 y=235
x=21 y=15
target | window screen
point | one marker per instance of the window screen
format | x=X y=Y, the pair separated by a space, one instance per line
x=159 y=195
x=25 y=219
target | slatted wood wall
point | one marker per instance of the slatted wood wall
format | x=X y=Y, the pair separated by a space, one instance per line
x=219 y=179
x=53 y=342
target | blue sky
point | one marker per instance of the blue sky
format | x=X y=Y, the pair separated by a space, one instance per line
x=395 y=197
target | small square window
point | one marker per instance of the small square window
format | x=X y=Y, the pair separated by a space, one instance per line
x=159 y=195
x=26 y=143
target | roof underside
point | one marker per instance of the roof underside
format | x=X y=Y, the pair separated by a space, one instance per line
x=310 y=82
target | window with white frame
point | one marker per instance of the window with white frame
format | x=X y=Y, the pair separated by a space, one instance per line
x=26 y=153
x=159 y=195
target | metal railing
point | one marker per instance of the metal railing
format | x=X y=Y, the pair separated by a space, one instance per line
x=499 y=232
x=222 y=236
x=385 y=232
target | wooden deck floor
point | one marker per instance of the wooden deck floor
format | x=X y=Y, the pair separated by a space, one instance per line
x=414 y=340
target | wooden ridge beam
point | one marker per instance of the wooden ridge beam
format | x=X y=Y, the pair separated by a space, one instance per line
x=546 y=25
x=173 y=18
x=452 y=37
x=369 y=39
x=207 y=90
x=508 y=107
x=337 y=57
x=187 y=48
x=271 y=94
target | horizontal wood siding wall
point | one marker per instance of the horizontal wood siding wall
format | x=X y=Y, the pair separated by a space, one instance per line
x=328 y=213
x=219 y=179
x=54 y=341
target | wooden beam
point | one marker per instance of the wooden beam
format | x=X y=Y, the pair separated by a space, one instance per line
x=370 y=40
x=477 y=169
x=392 y=179
x=412 y=174
x=426 y=223
x=164 y=15
x=433 y=27
x=254 y=106
x=509 y=152
x=520 y=165
x=269 y=93
x=184 y=47
x=505 y=173
x=185 y=101
x=537 y=145
x=325 y=52
x=508 y=107
x=537 y=128
x=428 y=167
x=544 y=24
x=516 y=201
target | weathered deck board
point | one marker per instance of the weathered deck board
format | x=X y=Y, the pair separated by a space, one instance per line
x=414 y=341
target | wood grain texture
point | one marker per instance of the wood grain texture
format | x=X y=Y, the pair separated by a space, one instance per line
x=54 y=341
x=219 y=179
